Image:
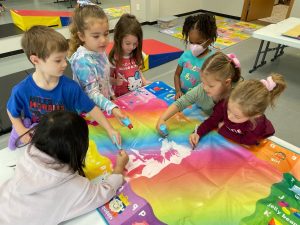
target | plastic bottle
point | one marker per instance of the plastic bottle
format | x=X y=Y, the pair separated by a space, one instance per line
x=164 y=130
x=127 y=123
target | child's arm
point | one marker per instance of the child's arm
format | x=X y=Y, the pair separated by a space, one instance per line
x=19 y=127
x=109 y=106
x=88 y=81
x=115 y=78
x=89 y=196
x=144 y=80
x=122 y=160
x=194 y=139
x=97 y=115
x=209 y=124
x=177 y=82
x=119 y=115
x=196 y=95
x=171 y=111
x=213 y=121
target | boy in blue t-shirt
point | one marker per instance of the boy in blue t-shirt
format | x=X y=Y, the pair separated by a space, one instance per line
x=47 y=89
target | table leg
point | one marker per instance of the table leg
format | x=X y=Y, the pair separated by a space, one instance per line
x=257 y=57
x=279 y=52
x=276 y=52
x=70 y=1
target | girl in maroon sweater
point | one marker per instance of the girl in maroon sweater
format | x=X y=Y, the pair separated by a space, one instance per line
x=241 y=118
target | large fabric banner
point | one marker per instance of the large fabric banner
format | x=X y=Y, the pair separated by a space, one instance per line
x=220 y=182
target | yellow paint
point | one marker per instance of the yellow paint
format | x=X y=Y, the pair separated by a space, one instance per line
x=96 y=164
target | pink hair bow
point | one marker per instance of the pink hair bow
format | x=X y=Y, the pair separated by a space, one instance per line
x=235 y=60
x=269 y=83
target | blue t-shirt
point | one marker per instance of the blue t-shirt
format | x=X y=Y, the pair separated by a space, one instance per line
x=32 y=101
x=191 y=66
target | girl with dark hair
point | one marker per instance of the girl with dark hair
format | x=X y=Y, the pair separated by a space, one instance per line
x=126 y=56
x=49 y=186
x=199 y=32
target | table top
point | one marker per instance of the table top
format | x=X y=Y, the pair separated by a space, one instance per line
x=157 y=164
x=274 y=32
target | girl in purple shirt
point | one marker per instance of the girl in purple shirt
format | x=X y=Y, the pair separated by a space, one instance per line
x=241 y=118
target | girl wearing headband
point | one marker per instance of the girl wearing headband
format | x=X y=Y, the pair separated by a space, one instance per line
x=220 y=73
x=241 y=118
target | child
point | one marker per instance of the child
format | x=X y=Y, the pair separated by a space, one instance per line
x=49 y=186
x=199 y=32
x=220 y=73
x=126 y=56
x=89 y=38
x=47 y=89
x=242 y=118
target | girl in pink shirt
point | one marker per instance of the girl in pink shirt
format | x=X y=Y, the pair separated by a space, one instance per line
x=49 y=186
x=126 y=56
x=241 y=118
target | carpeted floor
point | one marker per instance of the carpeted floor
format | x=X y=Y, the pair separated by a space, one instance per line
x=230 y=31
x=116 y=12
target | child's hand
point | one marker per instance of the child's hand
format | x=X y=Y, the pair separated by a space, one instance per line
x=220 y=125
x=146 y=82
x=194 y=139
x=113 y=133
x=26 y=138
x=119 y=115
x=119 y=81
x=178 y=94
x=158 y=124
x=122 y=160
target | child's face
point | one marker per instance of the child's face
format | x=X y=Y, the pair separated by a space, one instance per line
x=95 y=38
x=54 y=65
x=129 y=43
x=213 y=87
x=235 y=114
x=196 y=38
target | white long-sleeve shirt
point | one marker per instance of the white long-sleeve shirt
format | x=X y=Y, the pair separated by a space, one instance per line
x=92 y=71
x=44 y=191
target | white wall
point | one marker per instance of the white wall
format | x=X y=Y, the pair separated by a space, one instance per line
x=232 y=7
x=138 y=8
x=174 y=7
x=151 y=10
x=296 y=9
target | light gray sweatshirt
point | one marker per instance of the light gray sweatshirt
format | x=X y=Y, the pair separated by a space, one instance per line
x=44 y=191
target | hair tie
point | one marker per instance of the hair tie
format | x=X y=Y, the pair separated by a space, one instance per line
x=83 y=3
x=269 y=83
x=234 y=59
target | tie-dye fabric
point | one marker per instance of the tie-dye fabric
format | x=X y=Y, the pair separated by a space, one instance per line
x=91 y=70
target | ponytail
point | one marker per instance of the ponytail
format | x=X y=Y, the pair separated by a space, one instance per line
x=254 y=96
x=278 y=89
